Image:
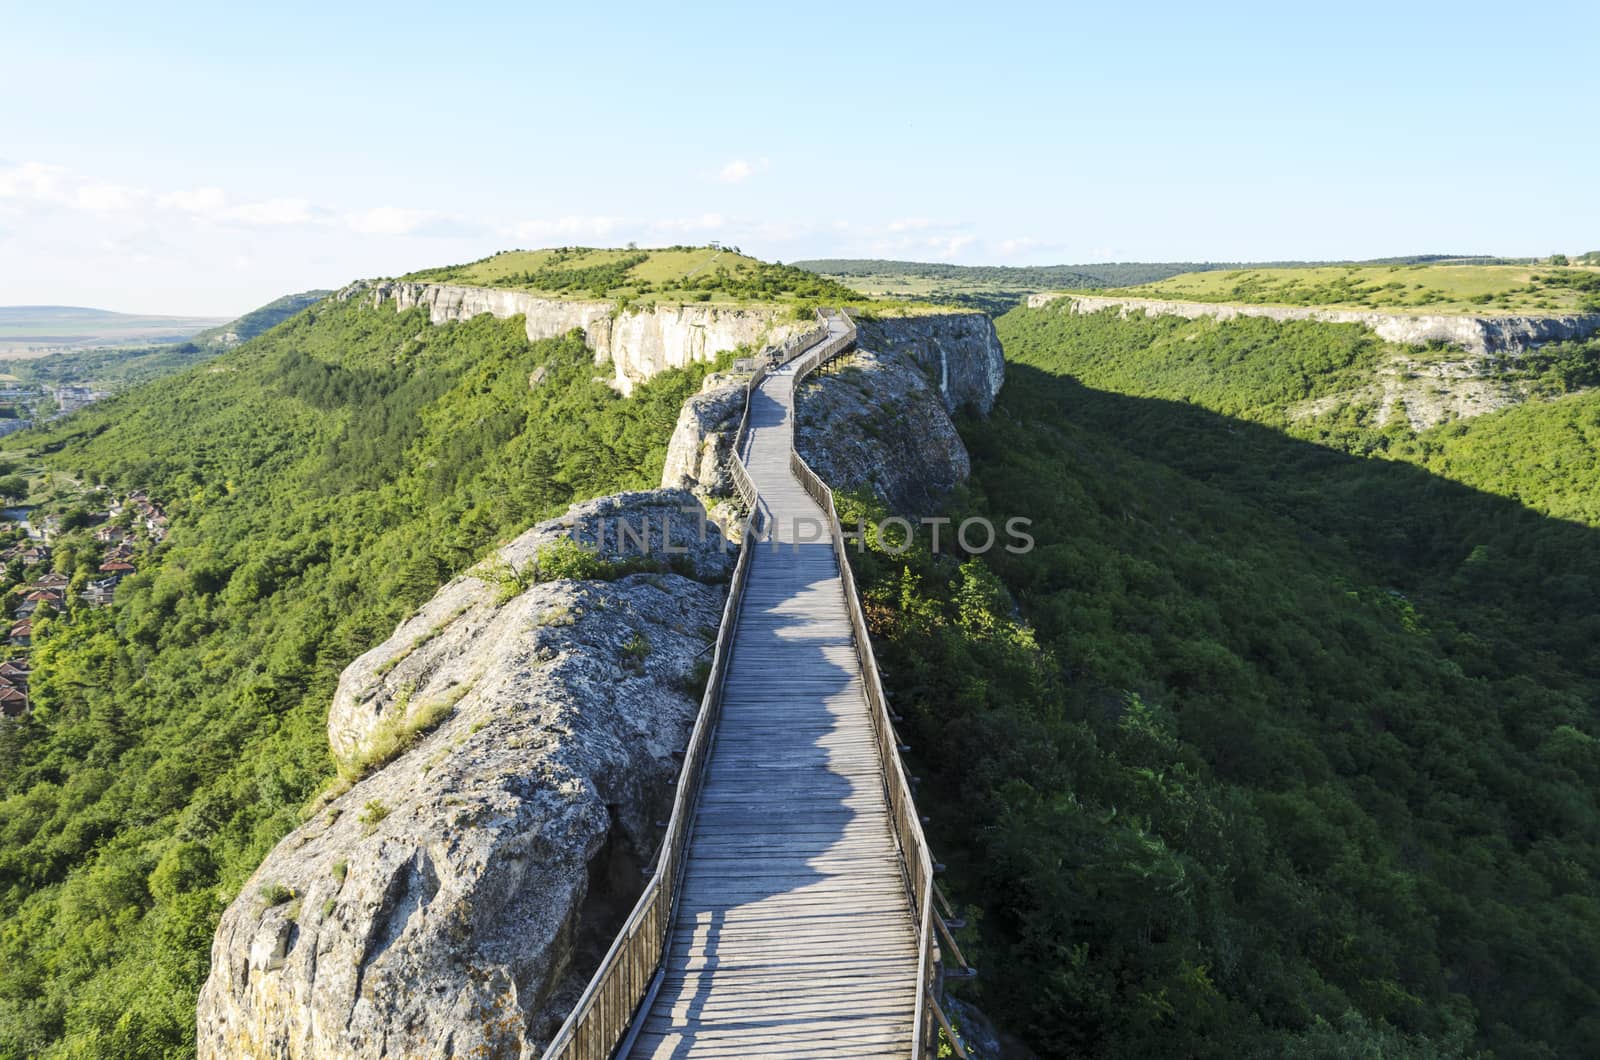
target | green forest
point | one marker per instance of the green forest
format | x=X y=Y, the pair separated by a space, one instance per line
x=1282 y=742
x=999 y=288
x=322 y=481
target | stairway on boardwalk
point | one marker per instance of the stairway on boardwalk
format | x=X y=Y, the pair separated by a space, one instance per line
x=794 y=934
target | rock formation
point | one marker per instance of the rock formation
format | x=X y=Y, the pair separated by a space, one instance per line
x=879 y=423
x=960 y=351
x=637 y=343
x=511 y=743
x=702 y=441
x=454 y=901
x=1475 y=334
x=883 y=422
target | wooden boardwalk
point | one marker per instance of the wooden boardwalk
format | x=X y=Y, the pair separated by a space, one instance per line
x=794 y=934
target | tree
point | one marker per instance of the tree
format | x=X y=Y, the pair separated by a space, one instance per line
x=13 y=487
x=1558 y=259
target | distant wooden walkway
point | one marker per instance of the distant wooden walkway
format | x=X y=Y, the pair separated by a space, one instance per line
x=794 y=934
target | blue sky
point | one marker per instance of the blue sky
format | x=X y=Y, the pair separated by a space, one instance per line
x=193 y=159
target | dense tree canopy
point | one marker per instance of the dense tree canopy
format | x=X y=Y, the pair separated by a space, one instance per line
x=1268 y=748
x=322 y=481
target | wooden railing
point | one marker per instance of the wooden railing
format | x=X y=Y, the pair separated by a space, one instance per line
x=629 y=974
x=916 y=858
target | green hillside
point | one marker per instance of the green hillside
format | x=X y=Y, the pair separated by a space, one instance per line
x=322 y=480
x=671 y=274
x=29 y=327
x=1269 y=748
x=998 y=288
x=1432 y=288
x=259 y=320
x=124 y=365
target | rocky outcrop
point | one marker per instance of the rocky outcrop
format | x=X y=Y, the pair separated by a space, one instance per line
x=637 y=343
x=960 y=351
x=1426 y=392
x=454 y=901
x=1474 y=334
x=702 y=441
x=879 y=423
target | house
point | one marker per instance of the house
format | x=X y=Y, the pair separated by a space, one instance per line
x=45 y=529
x=14 y=674
x=21 y=635
x=118 y=568
x=13 y=701
x=110 y=535
x=35 y=554
x=53 y=580
x=98 y=593
x=56 y=598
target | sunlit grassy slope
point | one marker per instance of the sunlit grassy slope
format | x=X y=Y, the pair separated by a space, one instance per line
x=1413 y=288
x=687 y=274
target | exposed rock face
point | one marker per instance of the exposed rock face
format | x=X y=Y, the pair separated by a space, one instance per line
x=454 y=901
x=702 y=441
x=636 y=343
x=881 y=424
x=1480 y=335
x=960 y=351
x=1426 y=392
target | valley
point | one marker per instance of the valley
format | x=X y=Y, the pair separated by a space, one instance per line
x=1295 y=625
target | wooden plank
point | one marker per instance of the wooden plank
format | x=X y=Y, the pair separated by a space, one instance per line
x=794 y=934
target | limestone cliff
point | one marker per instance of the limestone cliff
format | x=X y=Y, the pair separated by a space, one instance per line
x=1474 y=334
x=1452 y=367
x=960 y=351
x=879 y=423
x=702 y=441
x=454 y=901
x=882 y=421
x=636 y=343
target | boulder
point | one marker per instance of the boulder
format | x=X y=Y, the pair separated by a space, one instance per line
x=513 y=741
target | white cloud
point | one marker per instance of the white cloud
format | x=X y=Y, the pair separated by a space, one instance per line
x=105 y=198
x=271 y=212
x=949 y=246
x=739 y=170
x=1012 y=247
x=573 y=227
x=706 y=223
x=56 y=186
x=202 y=201
x=388 y=221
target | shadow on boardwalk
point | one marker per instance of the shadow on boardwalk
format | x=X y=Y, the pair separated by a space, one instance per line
x=793 y=936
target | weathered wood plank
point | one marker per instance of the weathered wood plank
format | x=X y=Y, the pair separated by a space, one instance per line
x=794 y=936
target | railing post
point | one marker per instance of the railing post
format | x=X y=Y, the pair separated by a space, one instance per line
x=608 y=1006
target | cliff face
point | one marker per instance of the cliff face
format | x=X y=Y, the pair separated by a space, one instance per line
x=514 y=740
x=1478 y=335
x=454 y=901
x=882 y=421
x=879 y=423
x=636 y=343
x=702 y=441
x=960 y=352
